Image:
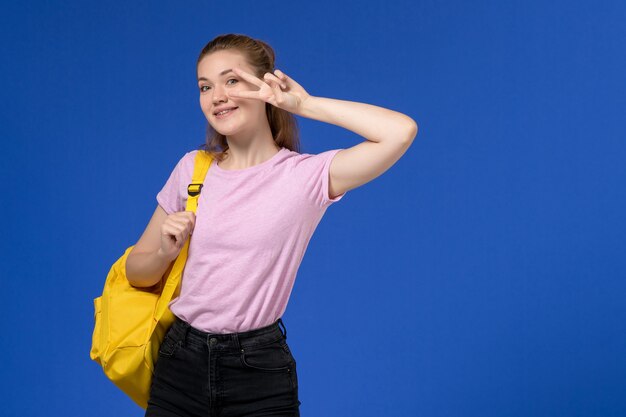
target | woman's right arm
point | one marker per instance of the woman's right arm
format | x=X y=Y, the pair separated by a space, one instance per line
x=158 y=246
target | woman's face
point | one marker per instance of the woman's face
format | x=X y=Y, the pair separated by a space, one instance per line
x=215 y=82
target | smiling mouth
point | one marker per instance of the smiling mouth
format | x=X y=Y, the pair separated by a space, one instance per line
x=225 y=112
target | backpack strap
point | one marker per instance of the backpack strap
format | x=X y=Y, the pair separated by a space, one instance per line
x=172 y=286
x=201 y=166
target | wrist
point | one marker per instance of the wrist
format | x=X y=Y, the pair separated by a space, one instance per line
x=307 y=106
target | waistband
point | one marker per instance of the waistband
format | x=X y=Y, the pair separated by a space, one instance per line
x=199 y=340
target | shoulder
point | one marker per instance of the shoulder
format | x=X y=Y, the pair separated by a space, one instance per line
x=312 y=159
x=184 y=165
x=190 y=156
x=187 y=160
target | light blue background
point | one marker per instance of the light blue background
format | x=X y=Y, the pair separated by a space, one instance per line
x=482 y=275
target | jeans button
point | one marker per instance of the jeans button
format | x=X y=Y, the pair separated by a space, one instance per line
x=212 y=341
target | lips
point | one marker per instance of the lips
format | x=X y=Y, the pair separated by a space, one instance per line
x=226 y=108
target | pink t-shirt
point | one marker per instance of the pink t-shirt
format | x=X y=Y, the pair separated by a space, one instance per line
x=253 y=226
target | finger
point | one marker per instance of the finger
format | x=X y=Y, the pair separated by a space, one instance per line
x=179 y=225
x=191 y=216
x=175 y=230
x=245 y=94
x=278 y=94
x=282 y=75
x=170 y=232
x=180 y=221
x=187 y=224
x=272 y=81
x=247 y=76
x=288 y=80
x=269 y=76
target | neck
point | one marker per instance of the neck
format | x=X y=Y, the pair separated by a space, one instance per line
x=245 y=156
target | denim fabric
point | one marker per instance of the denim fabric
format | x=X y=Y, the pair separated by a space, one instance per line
x=248 y=374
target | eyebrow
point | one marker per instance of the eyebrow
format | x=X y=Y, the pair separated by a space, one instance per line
x=226 y=71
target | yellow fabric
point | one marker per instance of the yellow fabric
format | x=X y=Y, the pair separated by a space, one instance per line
x=130 y=322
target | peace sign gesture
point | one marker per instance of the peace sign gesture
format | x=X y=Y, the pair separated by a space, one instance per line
x=279 y=90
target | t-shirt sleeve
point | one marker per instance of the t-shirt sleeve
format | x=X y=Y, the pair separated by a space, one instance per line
x=173 y=196
x=316 y=169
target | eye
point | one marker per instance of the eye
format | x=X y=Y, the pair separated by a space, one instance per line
x=208 y=86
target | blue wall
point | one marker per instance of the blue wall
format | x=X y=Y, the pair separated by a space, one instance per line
x=482 y=275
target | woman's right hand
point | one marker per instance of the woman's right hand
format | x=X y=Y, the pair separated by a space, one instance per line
x=174 y=232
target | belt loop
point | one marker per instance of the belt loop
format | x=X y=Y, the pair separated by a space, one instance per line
x=280 y=322
x=235 y=338
x=186 y=327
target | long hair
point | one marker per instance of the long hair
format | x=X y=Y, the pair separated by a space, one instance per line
x=261 y=57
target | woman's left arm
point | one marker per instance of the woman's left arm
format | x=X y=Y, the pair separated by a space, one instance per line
x=389 y=134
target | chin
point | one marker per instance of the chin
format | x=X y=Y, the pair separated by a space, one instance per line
x=226 y=132
x=217 y=128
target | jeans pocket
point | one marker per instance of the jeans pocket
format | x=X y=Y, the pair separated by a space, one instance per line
x=285 y=347
x=272 y=357
x=292 y=368
x=169 y=346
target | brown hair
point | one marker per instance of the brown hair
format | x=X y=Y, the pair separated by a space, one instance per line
x=260 y=56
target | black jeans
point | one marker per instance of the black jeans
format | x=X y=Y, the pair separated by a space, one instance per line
x=248 y=374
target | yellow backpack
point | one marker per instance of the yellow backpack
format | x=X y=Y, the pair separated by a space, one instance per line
x=130 y=322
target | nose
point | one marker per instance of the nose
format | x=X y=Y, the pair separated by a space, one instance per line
x=219 y=95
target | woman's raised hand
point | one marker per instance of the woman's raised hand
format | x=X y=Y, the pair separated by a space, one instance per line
x=278 y=89
x=174 y=232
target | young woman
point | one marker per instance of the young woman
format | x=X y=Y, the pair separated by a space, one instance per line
x=226 y=353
